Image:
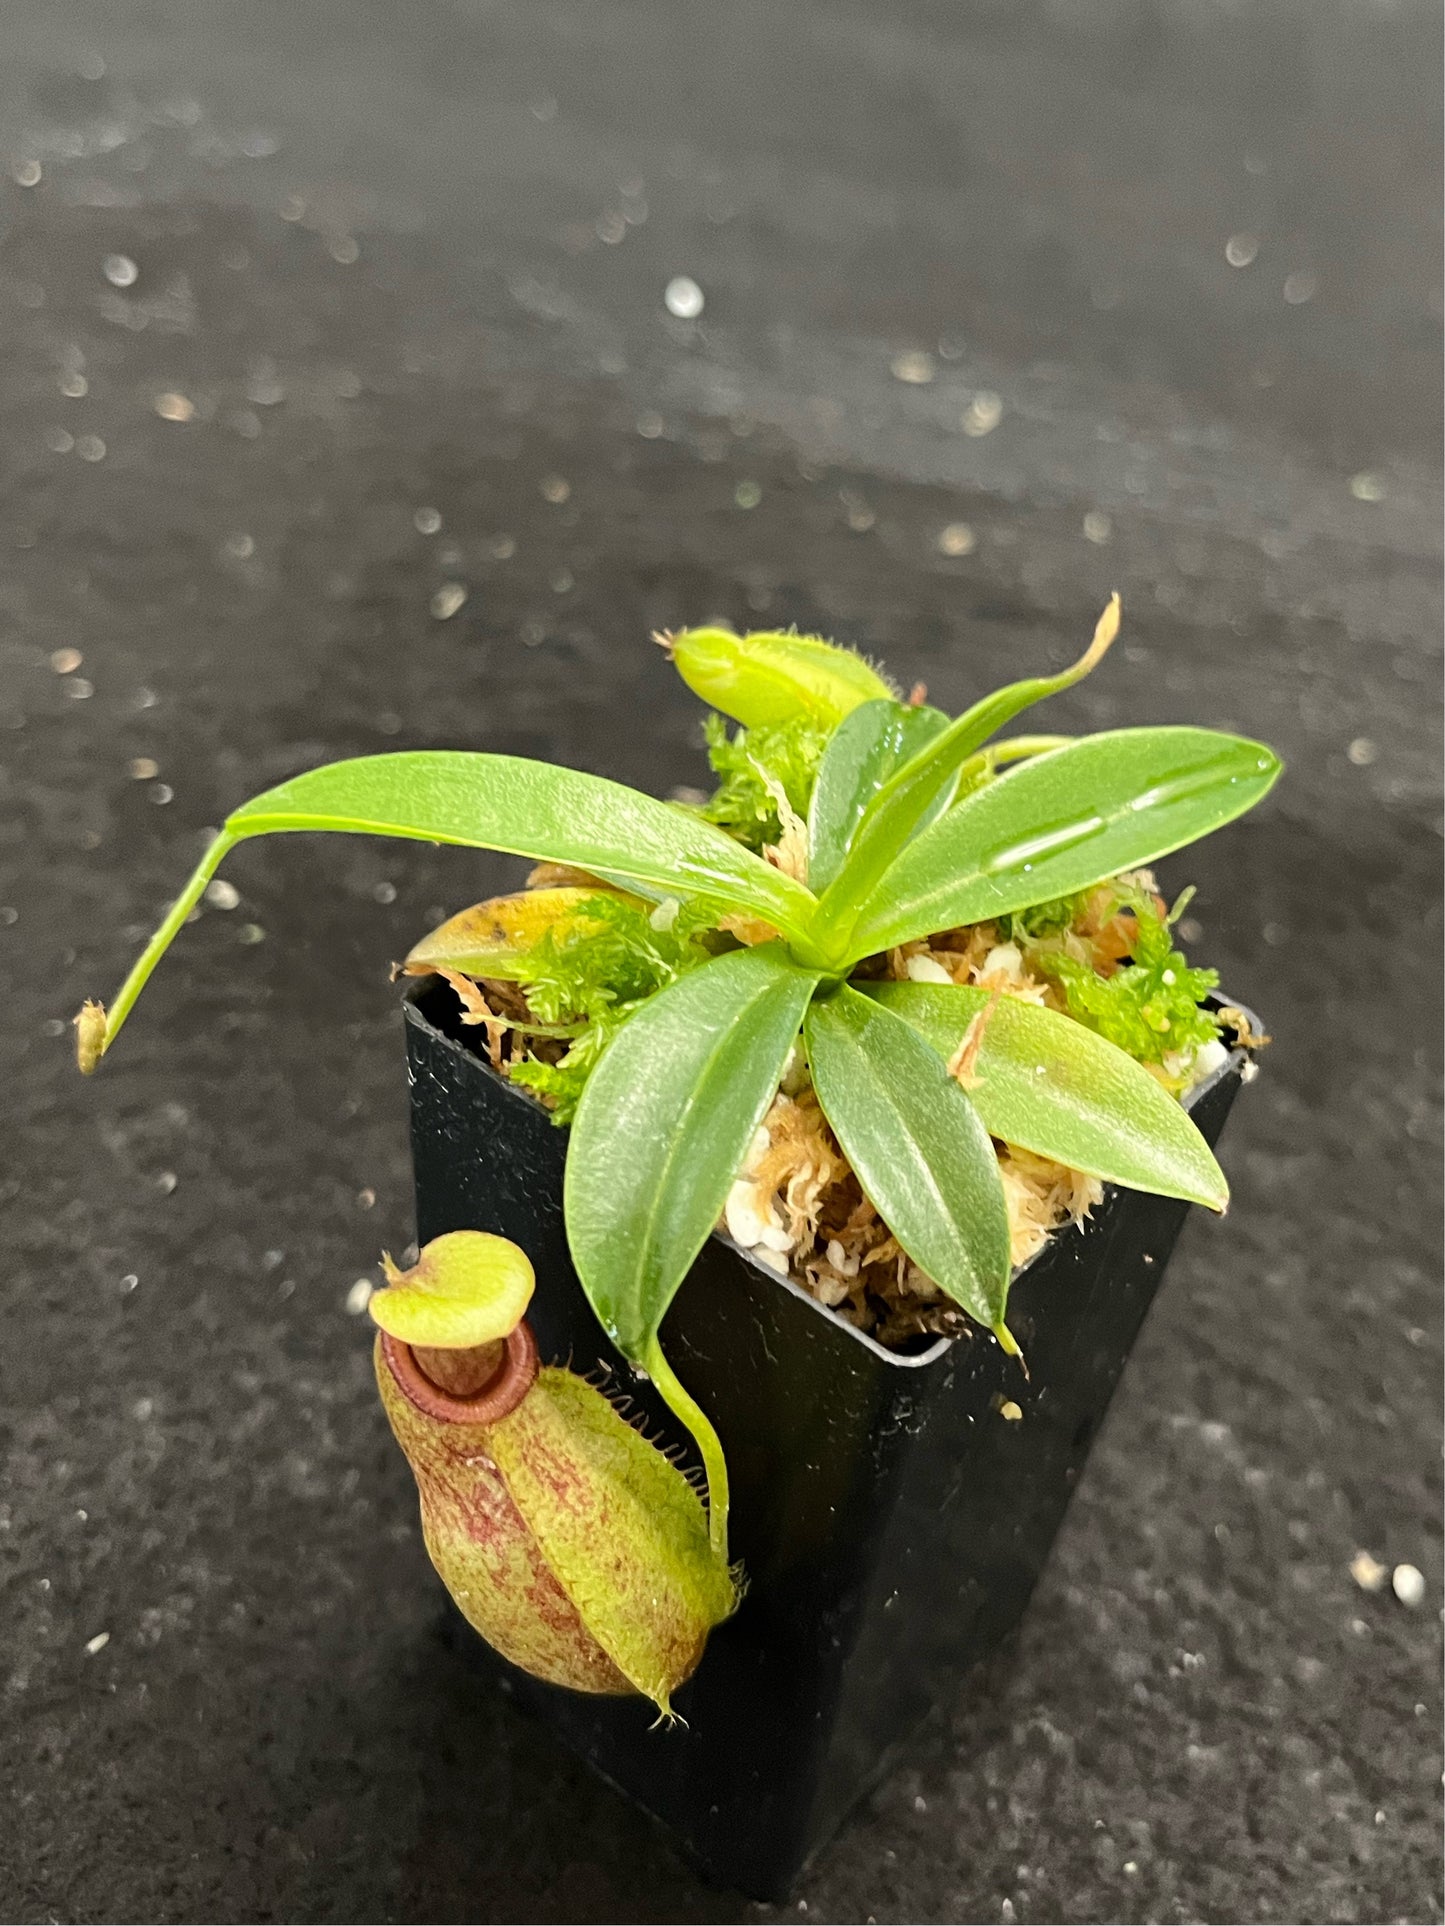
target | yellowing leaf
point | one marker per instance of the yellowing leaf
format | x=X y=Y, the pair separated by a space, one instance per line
x=495 y=937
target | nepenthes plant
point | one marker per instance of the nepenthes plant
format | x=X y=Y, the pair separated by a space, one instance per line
x=851 y=825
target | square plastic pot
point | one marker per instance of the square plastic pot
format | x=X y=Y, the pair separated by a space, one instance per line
x=892 y=1521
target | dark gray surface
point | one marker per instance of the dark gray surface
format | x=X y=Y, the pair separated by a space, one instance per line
x=1204 y=1716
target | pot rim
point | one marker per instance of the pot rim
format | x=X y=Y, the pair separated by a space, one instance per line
x=1238 y=1057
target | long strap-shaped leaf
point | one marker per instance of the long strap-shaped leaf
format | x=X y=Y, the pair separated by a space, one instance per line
x=662 y=1129
x=1063 y=821
x=1044 y=1082
x=908 y=799
x=529 y=809
x=916 y=1143
x=866 y=749
x=492 y=802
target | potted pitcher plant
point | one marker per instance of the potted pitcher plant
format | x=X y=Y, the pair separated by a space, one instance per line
x=794 y=1170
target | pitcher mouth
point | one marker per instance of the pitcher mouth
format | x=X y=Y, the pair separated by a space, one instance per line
x=504 y=1391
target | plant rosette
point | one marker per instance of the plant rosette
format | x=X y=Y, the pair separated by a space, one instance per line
x=940 y=947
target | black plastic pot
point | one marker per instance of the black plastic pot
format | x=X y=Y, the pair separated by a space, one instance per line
x=893 y=1523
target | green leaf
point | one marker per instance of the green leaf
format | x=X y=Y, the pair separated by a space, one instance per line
x=1044 y=1082
x=911 y=798
x=1062 y=821
x=664 y=1125
x=529 y=809
x=487 y=802
x=917 y=1145
x=863 y=752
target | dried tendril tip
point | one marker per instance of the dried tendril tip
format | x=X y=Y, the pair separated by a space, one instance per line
x=89 y=1023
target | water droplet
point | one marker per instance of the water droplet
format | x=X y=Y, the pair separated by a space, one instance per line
x=427 y=521
x=957 y=539
x=241 y=545
x=650 y=425
x=59 y=441
x=384 y=892
x=1367 y=487
x=26 y=173
x=983 y=414
x=166 y=1182
x=174 y=407
x=161 y=793
x=555 y=489
x=747 y=494
x=79 y=688
x=1051 y=841
x=1299 y=288
x=1408 y=1584
x=263 y=388
x=66 y=661
x=359 y=1296
x=143 y=769
x=222 y=895
x=683 y=297
x=344 y=249
x=90 y=448
x=1194 y=782
x=610 y=228
x=914 y=367
x=1241 y=249
x=73 y=386
x=447 y=600
x=1098 y=527
x=544 y=108
x=120 y=270
x=97 y=1644
x=1362 y=751
x=503 y=547
x=1368 y=1573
